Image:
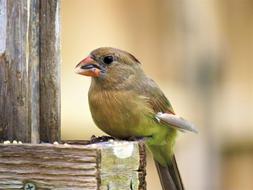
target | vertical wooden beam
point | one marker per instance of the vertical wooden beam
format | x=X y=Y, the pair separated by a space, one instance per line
x=203 y=57
x=50 y=70
x=33 y=72
x=14 y=71
x=3 y=23
x=29 y=70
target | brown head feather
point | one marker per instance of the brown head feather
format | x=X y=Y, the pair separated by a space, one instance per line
x=122 y=55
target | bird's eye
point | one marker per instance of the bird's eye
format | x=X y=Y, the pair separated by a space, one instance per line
x=108 y=59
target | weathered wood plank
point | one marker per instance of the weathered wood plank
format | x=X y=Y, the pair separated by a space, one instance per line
x=142 y=167
x=14 y=71
x=109 y=165
x=33 y=71
x=50 y=70
x=3 y=23
x=48 y=166
x=30 y=70
x=122 y=165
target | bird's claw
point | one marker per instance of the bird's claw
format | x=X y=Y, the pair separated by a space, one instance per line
x=95 y=139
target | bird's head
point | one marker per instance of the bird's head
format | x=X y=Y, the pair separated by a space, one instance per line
x=109 y=65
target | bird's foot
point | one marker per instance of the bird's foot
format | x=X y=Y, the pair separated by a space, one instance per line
x=97 y=139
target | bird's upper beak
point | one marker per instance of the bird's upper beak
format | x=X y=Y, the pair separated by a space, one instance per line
x=88 y=67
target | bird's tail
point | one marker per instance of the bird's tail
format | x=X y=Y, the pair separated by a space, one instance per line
x=169 y=175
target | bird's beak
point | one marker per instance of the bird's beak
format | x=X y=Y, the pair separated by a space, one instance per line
x=88 y=67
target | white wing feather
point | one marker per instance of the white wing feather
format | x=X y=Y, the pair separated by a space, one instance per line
x=176 y=122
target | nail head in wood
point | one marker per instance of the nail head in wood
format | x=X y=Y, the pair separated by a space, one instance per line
x=29 y=186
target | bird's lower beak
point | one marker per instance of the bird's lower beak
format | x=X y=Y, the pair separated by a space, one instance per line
x=88 y=67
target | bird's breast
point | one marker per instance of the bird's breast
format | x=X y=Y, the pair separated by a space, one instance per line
x=119 y=114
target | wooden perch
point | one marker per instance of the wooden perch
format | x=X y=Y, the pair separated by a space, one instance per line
x=110 y=165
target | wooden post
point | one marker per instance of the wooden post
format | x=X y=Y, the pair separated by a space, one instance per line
x=14 y=116
x=29 y=70
x=110 y=165
x=122 y=166
x=50 y=70
x=33 y=65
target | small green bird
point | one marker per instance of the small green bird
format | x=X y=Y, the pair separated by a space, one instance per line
x=125 y=103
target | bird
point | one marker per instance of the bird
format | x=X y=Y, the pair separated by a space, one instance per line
x=125 y=103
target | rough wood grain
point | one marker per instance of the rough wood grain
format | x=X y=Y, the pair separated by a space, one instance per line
x=14 y=71
x=107 y=179
x=142 y=167
x=110 y=165
x=29 y=70
x=50 y=70
x=33 y=71
x=122 y=165
x=48 y=166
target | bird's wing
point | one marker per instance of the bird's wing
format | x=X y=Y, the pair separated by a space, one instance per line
x=162 y=108
x=155 y=97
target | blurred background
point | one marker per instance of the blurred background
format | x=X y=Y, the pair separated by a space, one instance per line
x=200 y=52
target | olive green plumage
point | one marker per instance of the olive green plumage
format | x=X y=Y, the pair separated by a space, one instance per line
x=125 y=103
